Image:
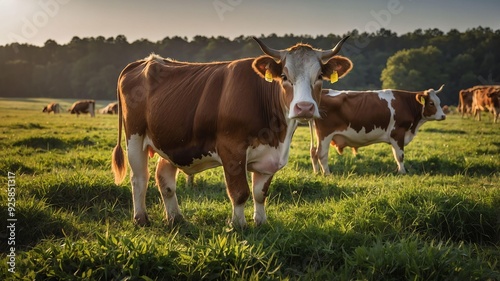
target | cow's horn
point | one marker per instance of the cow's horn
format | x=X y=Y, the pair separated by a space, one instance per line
x=440 y=89
x=276 y=54
x=325 y=55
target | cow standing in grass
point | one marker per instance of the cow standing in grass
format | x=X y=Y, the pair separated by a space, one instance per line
x=52 y=107
x=240 y=115
x=82 y=107
x=465 y=102
x=111 y=108
x=486 y=98
x=356 y=119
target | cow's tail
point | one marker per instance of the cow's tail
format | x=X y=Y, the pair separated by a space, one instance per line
x=118 y=159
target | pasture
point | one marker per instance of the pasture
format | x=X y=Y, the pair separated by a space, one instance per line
x=364 y=222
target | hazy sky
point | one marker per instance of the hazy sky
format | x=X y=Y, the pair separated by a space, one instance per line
x=36 y=21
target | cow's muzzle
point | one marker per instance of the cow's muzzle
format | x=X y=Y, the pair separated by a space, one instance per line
x=304 y=110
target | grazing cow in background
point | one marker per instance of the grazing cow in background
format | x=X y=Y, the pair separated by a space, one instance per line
x=359 y=119
x=446 y=109
x=486 y=99
x=111 y=108
x=52 y=107
x=240 y=115
x=465 y=102
x=83 y=106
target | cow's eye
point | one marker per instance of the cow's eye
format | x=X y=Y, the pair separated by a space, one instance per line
x=431 y=103
x=283 y=76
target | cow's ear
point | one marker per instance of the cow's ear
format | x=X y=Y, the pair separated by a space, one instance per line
x=420 y=98
x=340 y=64
x=267 y=68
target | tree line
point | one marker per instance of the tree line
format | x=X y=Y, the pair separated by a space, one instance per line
x=88 y=68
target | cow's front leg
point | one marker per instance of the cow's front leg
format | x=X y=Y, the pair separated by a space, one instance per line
x=399 y=155
x=166 y=175
x=139 y=175
x=313 y=149
x=238 y=191
x=260 y=186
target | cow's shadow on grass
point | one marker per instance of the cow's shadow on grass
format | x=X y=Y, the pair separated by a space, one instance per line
x=34 y=223
x=94 y=198
x=48 y=143
x=438 y=166
x=445 y=131
x=434 y=165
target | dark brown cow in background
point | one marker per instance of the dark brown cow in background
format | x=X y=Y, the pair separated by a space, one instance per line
x=52 y=107
x=83 y=106
x=111 y=108
x=357 y=119
x=240 y=115
x=486 y=98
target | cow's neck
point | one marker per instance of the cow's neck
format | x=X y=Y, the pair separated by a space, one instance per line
x=419 y=120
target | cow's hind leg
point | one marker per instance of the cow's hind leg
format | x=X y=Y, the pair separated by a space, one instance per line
x=166 y=175
x=260 y=185
x=322 y=154
x=139 y=175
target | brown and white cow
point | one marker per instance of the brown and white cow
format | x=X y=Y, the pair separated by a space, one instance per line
x=465 y=101
x=359 y=119
x=486 y=98
x=111 y=108
x=83 y=106
x=52 y=107
x=198 y=116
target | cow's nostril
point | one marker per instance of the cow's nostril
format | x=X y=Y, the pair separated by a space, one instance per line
x=304 y=109
x=305 y=106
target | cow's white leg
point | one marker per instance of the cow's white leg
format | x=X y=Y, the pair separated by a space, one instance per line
x=189 y=181
x=139 y=175
x=166 y=175
x=399 y=155
x=322 y=154
x=91 y=110
x=260 y=185
x=314 y=160
x=313 y=150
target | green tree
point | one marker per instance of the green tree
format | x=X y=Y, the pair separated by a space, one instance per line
x=415 y=69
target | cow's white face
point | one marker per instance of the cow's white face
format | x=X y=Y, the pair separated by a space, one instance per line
x=302 y=80
x=432 y=109
x=300 y=71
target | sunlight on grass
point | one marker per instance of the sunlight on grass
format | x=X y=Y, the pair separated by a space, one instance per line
x=363 y=222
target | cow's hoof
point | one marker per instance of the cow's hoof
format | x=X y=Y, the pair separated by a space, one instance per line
x=175 y=220
x=142 y=220
x=238 y=225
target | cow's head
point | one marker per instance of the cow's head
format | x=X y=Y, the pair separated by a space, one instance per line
x=300 y=70
x=431 y=105
x=494 y=95
x=45 y=109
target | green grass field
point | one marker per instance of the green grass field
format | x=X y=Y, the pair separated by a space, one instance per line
x=364 y=222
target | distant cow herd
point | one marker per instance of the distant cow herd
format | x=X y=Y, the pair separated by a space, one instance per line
x=82 y=107
x=480 y=98
x=242 y=114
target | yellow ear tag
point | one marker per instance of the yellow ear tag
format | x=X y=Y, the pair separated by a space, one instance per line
x=268 y=76
x=334 y=77
x=422 y=101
